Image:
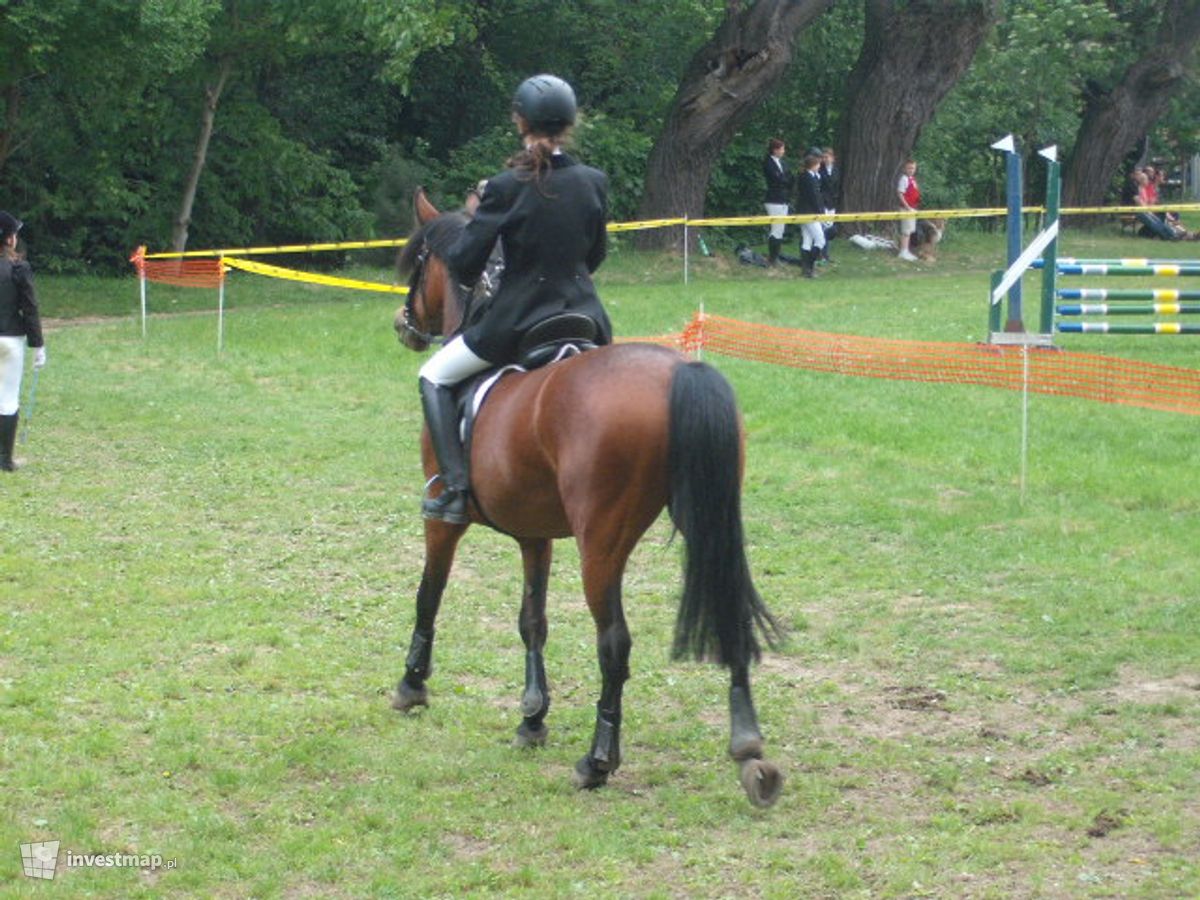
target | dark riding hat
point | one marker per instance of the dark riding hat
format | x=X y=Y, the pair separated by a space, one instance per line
x=546 y=102
x=9 y=224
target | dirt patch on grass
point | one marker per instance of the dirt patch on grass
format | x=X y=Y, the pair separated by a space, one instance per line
x=1132 y=687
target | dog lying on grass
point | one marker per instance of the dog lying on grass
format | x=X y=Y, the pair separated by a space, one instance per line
x=926 y=238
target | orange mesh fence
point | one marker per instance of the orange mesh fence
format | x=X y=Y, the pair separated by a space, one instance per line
x=1050 y=371
x=200 y=273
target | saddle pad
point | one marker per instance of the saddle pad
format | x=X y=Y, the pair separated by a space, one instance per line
x=485 y=386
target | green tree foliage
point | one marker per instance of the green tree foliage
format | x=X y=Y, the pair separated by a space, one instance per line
x=334 y=110
x=1027 y=81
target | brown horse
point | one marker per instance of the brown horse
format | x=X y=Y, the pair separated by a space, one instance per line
x=593 y=447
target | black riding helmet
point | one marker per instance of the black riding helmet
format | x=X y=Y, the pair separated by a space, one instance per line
x=546 y=102
x=9 y=224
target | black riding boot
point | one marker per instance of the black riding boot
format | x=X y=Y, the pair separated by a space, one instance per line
x=808 y=259
x=8 y=438
x=451 y=505
x=773 y=247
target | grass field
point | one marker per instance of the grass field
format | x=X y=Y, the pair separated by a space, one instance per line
x=209 y=564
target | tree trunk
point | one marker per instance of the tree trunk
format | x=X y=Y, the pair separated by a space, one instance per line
x=12 y=115
x=913 y=53
x=212 y=97
x=1115 y=121
x=725 y=81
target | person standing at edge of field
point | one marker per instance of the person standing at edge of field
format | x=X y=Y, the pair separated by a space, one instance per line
x=831 y=187
x=20 y=325
x=809 y=201
x=549 y=214
x=910 y=198
x=775 y=201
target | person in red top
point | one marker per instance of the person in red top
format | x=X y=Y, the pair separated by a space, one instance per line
x=910 y=198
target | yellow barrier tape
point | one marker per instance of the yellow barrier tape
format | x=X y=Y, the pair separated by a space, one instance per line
x=289 y=248
x=640 y=226
x=615 y=227
x=294 y=275
x=855 y=217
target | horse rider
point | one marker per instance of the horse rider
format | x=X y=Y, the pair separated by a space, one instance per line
x=20 y=326
x=548 y=212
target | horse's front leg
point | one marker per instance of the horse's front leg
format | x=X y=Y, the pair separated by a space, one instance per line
x=441 y=540
x=535 y=701
x=602 y=584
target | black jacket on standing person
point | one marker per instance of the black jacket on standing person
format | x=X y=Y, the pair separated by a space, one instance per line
x=18 y=304
x=808 y=193
x=831 y=185
x=552 y=232
x=779 y=180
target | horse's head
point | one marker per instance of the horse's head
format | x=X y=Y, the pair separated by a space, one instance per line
x=434 y=306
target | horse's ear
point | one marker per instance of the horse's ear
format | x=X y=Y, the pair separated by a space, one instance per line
x=425 y=211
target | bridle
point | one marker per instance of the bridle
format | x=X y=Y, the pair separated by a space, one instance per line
x=416 y=284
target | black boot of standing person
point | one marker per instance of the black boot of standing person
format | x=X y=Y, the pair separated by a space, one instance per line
x=808 y=259
x=773 y=247
x=8 y=440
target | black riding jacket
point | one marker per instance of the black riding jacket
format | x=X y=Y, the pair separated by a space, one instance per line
x=18 y=302
x=553 y=236
x=779 y=180
x=808 y=193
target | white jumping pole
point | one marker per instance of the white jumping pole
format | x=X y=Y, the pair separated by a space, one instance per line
x=685 y=251
x=139 y=260
x=142 y=285
x=220 y=304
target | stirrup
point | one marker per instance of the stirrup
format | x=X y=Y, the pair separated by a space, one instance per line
x=449 y=506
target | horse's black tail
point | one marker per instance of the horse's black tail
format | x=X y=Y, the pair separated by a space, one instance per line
x=721 y=611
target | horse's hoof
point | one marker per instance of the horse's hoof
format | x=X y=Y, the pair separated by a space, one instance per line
x=762 y=781
x=406 y=698
x=587 y=777
x=530 y=737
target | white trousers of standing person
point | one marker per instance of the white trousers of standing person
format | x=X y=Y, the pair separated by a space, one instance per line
x=12 y=367
x=777 y=209
x=812 y=236
x=452 y=364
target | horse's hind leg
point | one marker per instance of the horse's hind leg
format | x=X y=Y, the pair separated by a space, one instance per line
x=535 y=701
x=441 y=540
x=761 y=780
x=602 y=584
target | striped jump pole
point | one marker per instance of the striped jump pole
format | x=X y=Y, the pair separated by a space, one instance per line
x=1128 y=309
x=1124 y=261
x=1129 y=327
x=1159 y=295
x=1155 y=270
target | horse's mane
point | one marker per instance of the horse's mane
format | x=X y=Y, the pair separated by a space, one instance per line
x=438 y=234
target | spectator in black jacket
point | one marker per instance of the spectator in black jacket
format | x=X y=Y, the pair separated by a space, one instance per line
x=20 y=327
x=831 y=189
x=809 y=201
x=775 y=201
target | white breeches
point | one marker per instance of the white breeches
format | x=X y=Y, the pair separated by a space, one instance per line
x=12 y=366
x=777 y=209
x=452 y=364
x=812 y=236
